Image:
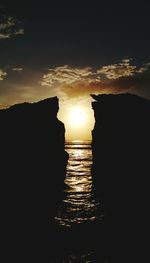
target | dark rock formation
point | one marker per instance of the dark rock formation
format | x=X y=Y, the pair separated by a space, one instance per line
x=33 y=163
x=121 y=145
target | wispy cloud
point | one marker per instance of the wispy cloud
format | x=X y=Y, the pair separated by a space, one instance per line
x=10 y=27
x=2 y=74
x=17 y=69
x=68 y=82
x=115 y=71
x=69 y=75
x=115 y=78
x=138 y=83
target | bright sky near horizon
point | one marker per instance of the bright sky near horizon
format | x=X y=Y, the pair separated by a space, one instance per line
x=78 y=117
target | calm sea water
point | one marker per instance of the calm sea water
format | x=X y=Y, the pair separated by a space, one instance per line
x=79 y=207
x=79 y=204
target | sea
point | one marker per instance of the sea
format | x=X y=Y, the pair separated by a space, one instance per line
x=79 y=206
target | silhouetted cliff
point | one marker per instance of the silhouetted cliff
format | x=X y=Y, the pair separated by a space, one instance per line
x=33 y=162
x=121 y=144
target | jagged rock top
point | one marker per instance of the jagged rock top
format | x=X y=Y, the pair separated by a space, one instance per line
x=121 y=102
x=46 y=104
x=117 y=97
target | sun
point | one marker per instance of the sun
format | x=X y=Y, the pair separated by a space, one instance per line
x=77 y=116
x=78 y=119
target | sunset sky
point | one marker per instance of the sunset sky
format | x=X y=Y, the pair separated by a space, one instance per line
x=73 y=49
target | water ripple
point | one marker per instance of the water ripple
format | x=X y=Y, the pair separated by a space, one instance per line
x=79 y=204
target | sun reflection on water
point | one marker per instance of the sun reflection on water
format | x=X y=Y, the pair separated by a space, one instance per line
x=79 y=204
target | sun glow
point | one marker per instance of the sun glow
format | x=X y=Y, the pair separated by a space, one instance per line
x=77 y=117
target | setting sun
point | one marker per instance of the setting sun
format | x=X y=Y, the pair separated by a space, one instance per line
x=77 y=116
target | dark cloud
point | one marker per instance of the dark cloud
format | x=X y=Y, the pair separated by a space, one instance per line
x=137 y=83
x=10 y=27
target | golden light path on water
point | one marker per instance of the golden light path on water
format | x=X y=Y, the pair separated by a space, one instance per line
x=79 y=204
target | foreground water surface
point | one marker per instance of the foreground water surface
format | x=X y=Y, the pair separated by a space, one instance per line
x=79 y=204
x=79 y=209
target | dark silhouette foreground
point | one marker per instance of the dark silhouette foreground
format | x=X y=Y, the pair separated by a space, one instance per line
x=33 y=164
x=121 y=145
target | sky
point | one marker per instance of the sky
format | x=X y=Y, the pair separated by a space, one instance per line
x=72 y=49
